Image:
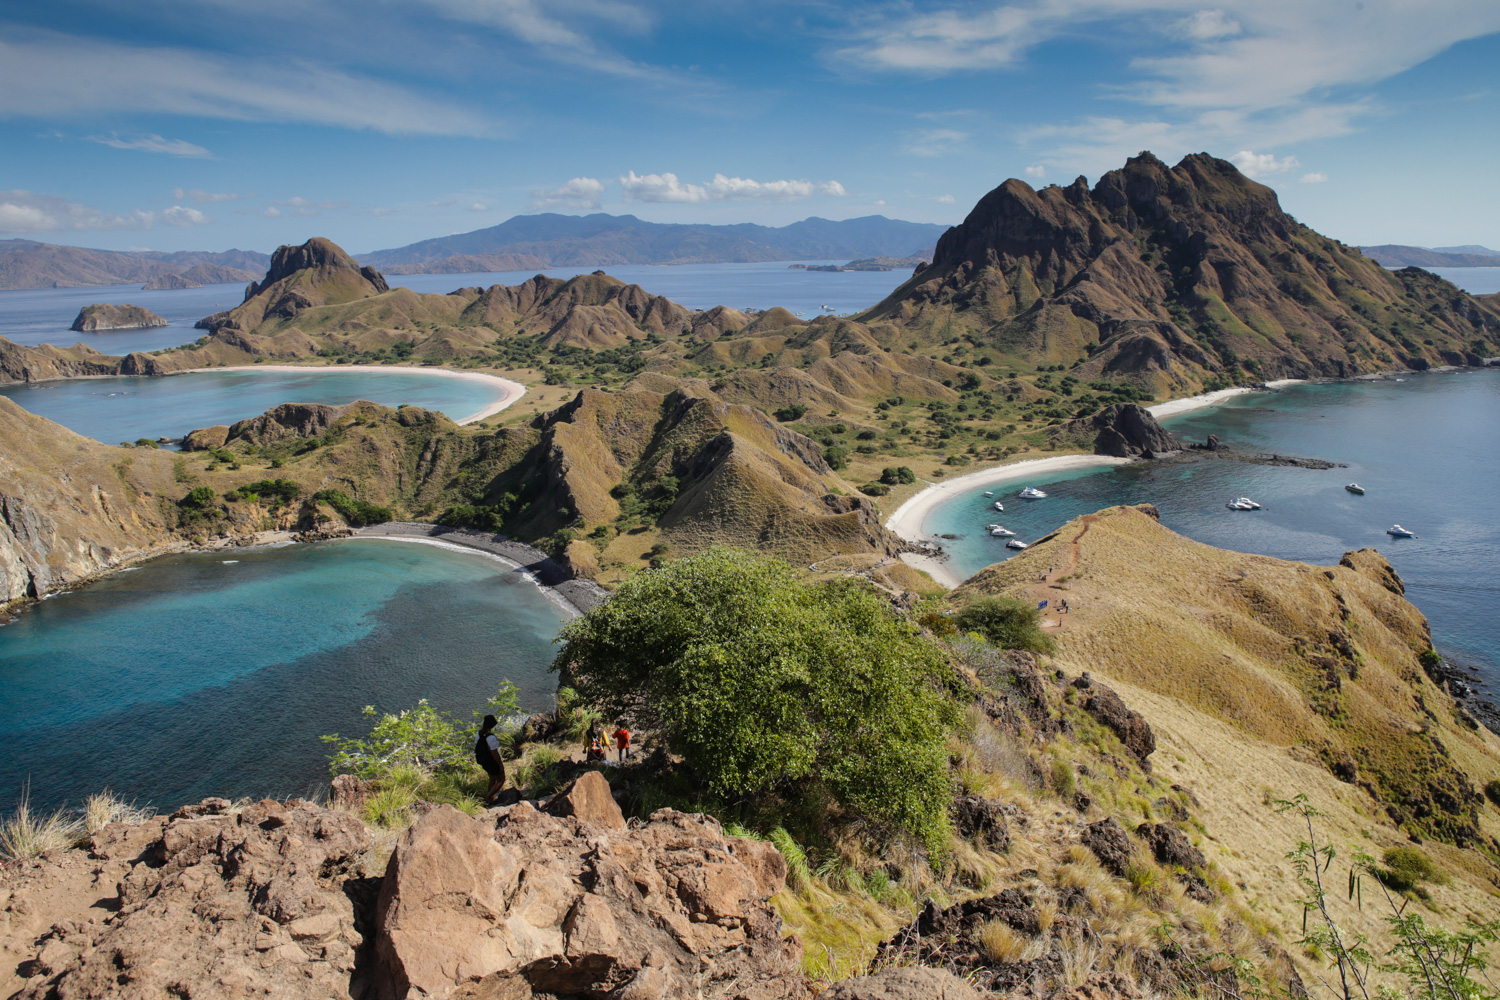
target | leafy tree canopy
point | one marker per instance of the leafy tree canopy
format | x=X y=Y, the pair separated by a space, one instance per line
x=762 y=682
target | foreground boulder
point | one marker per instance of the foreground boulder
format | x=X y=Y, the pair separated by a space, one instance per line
x=518 y=902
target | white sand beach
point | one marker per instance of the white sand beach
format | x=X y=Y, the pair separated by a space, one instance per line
x=1175 y=406
x=512 y=390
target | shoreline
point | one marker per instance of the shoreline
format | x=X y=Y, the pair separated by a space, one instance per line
x=512 y=390
x=906 y=521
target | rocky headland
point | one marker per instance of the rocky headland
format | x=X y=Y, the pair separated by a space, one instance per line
x=114 y=317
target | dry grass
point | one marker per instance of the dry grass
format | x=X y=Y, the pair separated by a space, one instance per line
x=106 y=807
x=1004 y=945
x=27 y=834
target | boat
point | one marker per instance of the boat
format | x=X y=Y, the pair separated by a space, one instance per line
x=1247 y=503
x=1396 y=531
x=1000 y=531
x=999 y=505
x=989 y=493
x=1238 y=505
x=1355 y=488
x=1015 y=543
x=1031 y=493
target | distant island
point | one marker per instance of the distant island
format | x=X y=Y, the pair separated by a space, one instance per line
x=169 y=281
x=103 y=316
x=529 y=242
x=29 y=264
x=1397 y=255
x=917 y=260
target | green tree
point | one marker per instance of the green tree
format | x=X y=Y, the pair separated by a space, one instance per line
x=199 y=498
x=1006 y=622
x=762 y=682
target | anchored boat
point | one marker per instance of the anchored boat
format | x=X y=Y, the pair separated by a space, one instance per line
x=1396 y=531
x=1015 y=543
x=1355 y=488
x=1031 y=493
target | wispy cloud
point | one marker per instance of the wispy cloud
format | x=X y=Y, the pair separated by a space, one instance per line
x=666 y=187
x=933 y=141
x=198 y=196
x=46 y=74
x=152 y=143
x=1316 y=177
x=582 y=193
x=29 y=212
x=1036 y=170
x=302 y=207
x=1262 y=164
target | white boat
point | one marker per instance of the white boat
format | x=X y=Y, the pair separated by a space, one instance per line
x=1238 y=505
x=1355 y=488
x=1000 y=531
x=999 y=505
x=1031 y=493
x=1015 y=543
x=989 y=493
x=1248 y=503
x=1396 y=531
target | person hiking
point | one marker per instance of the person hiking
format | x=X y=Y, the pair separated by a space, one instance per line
x=622 y=742
x=487 y=756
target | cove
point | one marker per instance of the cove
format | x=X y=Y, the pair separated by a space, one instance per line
x=113 y=410
x=1422 y=448
x=216 y=673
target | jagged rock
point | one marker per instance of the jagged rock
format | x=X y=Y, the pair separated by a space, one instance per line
x=589 y=800
x=909 y=983
x=217 y=905
x=538 y=726
x=982 y=821
x=1126 y=430
x=578 y=909
x=1170 y=845
x=1107 y=707
x=348 y=793
x=170 y=281
x=114 y=317
x=1110 y=844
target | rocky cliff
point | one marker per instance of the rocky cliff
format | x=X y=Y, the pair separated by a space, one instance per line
x=114 y=317
x=1174 y=274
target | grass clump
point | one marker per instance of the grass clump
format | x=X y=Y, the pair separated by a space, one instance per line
x=104 y=808
x=26 y=834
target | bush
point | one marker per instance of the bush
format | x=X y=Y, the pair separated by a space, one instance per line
x=1492 y=790
x=355 y=512
x=789 y=413
x=421 y=738
x=897 y=475
x=1064 y=781
x=837 y=456
x=1006 y=622
x=760 y=681
x=874 y=489
x=146 y=443
x=483 y=517
x=1407 y=868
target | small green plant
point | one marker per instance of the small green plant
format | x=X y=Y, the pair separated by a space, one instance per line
x=798 y=871
x=1006 y=622
x=198 y=498
x=1064 y=781
x=1492 y=790
x=390 y=807
x=1406 y=869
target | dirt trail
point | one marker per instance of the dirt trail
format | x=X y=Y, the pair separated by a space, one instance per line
x=1052 y=592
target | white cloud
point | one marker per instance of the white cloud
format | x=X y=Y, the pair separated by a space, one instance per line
x=201 y=197
x=479 y=206
x=1316 y=177
x=1206 y=25
x=945 y=199
x=46 y=74
x=152 y=143
x=666 y=187
x=303 y=207
x=933 y=141
x=180 y=216
x=1036 y=170
x=1262 y=164
x=582 y=193
x=29 y=212
x=271 y=212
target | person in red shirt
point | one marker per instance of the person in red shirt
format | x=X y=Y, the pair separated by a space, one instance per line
x=622 y=742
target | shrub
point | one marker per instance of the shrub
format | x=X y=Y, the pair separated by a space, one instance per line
x=1006 y=622
x=1492 y=790
x=198 y=498
x=1064 y=781
x=760 y=681
x=1407 y=868
x=420 y=738
x=484 y=517
x=874 y=489
x=355 y=512
x=897 y=475
x=837 y=456
x=789 y=413
x=146 y=443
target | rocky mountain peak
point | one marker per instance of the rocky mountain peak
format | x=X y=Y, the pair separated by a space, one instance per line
x=318 y=253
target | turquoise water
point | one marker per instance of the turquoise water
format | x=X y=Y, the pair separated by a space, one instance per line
x=1423 y=448
x=124 y=409
x=215 y=674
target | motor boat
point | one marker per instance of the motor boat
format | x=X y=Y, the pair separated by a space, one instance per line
x=1238 y=505
x=1396 y=531
x=1355 y=488
x=989 y=493
x=1031 y=493
x=999 y=505
x=1015 y=543
x=1247 y=503
x=1000 y=531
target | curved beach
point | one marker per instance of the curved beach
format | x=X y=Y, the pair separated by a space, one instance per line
x=512 y=390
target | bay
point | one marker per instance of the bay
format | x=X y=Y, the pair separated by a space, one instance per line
x=1422 y=447
x=216 y=674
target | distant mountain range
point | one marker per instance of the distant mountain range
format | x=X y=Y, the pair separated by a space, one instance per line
x=29 y=264
x=1469 y=255
x=550 y=240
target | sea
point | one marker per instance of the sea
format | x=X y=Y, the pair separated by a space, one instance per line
x=1421 y=445
x=217 y=673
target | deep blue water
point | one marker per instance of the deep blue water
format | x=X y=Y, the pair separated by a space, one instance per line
x=113 y=410
x=215 y=674
x=1423 y=448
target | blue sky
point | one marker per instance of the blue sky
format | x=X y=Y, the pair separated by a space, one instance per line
x=207 y=124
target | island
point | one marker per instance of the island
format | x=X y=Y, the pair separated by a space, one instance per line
x=170 y=281
x=105 y=316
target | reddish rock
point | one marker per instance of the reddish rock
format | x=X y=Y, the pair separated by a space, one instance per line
x=910 y=983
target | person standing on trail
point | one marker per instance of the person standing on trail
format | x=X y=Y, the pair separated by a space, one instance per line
x=487 y=756
x=622 y=742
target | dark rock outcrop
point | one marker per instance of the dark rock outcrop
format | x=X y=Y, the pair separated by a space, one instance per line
x=1107 y=707
x=1127 y=430
x=1110 y=844
x=1170 y=846
x=114 y=317
x=982 y=821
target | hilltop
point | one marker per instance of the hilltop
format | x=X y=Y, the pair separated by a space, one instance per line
x=1397 y=255
x=551 y=240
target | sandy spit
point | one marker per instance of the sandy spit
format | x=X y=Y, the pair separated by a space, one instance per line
x=512 y=390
